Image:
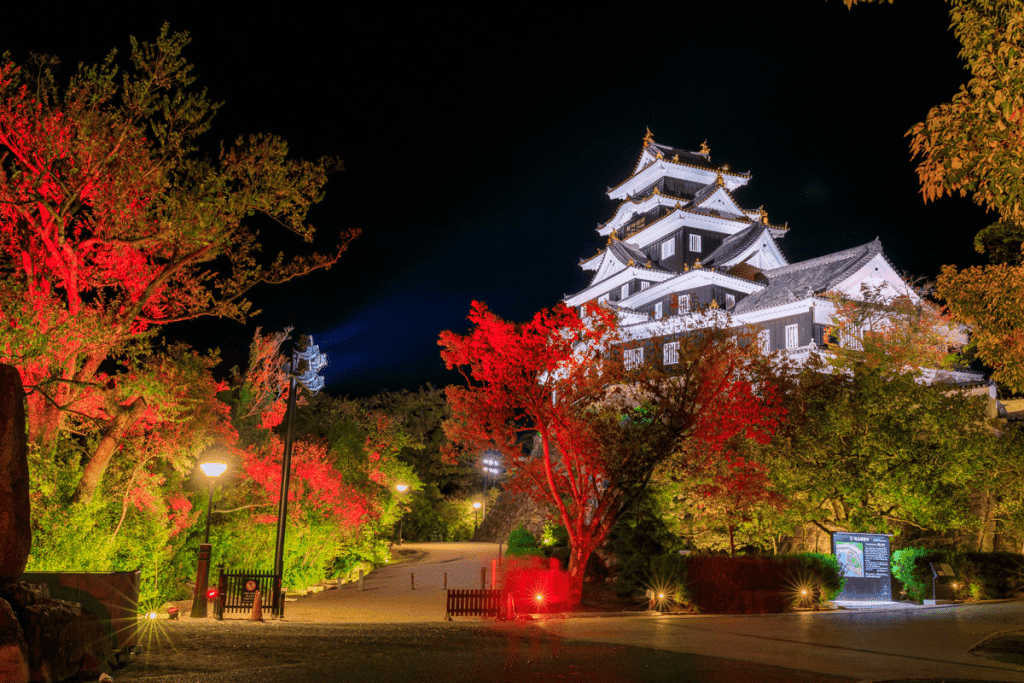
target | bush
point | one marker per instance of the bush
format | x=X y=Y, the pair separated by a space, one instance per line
x=982 y=576
x=666 y=574
x=520 y=539
x=719 y=583
x=903 y=565
x=822 y=571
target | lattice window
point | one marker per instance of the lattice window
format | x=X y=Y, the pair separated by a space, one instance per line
x=764 y=340
x=633 y=358
x=684 y=303
x=730 y=300
x=668 y=248
x=695 y=243
x=657 y=310
x=625 y=291
x=792 y=336
x=671 y=353
x=644 y=285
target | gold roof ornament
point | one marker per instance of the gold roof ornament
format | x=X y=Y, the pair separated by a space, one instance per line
x=675 y=158
x=686 y=268
x=725 y=167
x=656 y=190
x=631 y=262
x=719 y=180
x=696 y=265
x=678 y=205
x=713 y=304
x=659 y=155
x=704 y=149
x=649 y=137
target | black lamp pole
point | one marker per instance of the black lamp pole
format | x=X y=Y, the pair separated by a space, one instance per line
x=303 y=369
x=286 y=473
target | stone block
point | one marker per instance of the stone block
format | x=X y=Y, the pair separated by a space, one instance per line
x=21 y=594
x=14 y=502
x=13 y=649
x=64 y=641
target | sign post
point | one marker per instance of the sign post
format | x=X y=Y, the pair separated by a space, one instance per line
x=864 y=561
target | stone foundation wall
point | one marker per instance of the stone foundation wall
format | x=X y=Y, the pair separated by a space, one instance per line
x=507 y=513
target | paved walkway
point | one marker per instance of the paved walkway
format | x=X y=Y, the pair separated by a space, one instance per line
x=876 y=644
x=388 y=595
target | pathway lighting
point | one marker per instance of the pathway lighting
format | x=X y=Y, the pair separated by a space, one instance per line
x=476 y=511
x=212 y=463
x=172 y=612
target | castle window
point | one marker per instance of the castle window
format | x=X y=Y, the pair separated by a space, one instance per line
x=671 y=353
x=684 y=303
x=668 y=248
x=695 y=243
x=792 y=337
x=644 y=285
x=657 y=310
x=633 y=358
x=764 y=340
x=730 y=300
x=625 y=291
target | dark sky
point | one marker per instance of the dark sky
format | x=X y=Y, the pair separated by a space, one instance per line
x=479 y=142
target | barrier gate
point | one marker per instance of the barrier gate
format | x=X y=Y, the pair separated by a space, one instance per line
x=236 y=592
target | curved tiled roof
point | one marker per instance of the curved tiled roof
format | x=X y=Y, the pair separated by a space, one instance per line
x=686 y=158
x=735 y=244
x=807 y=278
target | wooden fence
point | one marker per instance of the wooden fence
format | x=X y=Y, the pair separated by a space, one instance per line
x=476 y=603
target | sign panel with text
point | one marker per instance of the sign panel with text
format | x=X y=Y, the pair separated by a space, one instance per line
x=864 y=561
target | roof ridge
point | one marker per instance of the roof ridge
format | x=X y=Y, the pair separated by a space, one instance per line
x=873 y=247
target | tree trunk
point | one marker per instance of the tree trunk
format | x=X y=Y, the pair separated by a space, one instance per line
x=578 y=556
x=97 y=465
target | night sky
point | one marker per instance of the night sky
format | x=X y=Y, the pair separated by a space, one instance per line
x=478 y=150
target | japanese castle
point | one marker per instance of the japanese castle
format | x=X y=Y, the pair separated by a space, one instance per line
x=679 y=242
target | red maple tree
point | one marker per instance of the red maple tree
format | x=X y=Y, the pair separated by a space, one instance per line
x=602 y=425
x=114 y=224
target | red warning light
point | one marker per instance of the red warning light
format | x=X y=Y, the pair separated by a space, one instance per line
x=211 y=594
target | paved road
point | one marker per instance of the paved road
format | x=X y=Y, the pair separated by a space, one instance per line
x=864 y=644
x=391 y=631
x=388 y=595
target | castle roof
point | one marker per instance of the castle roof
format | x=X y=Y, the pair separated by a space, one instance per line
x=807 y=278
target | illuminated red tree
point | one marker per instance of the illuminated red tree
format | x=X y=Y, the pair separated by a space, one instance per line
x=601 y=427
x=113 y=224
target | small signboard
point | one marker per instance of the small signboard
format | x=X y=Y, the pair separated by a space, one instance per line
x=864 y=561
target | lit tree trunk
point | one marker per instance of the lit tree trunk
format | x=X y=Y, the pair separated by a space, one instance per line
x=97 y=465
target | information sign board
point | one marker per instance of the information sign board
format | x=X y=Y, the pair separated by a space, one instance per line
x=864 y=561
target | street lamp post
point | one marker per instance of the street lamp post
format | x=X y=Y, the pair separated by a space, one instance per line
x=401 y=489
x=491 y=465
x=212 y=467
x=303 y=369
x=476 y=510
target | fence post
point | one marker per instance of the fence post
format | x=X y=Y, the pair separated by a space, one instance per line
x=446 y=580
x=483 y=578
x=360 y=579
x=494 y=573
x=412 y=580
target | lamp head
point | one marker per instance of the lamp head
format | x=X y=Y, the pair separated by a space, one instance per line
x=401 y=487
x=476 y=505
x=213 y=469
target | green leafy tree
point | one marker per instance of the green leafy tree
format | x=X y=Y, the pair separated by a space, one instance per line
x=973 y=146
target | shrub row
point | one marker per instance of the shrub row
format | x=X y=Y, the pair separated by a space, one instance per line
x=717 y=583
x=979 y=576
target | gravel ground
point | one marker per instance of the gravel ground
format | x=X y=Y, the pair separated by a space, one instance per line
x=230 y=651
